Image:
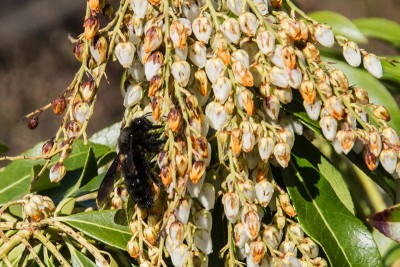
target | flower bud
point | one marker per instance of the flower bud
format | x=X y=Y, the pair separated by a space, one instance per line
x=81 y=111
x=272 y=236
x=272 y=106
x=282 y=154
x=231 y=30
x=203 y=220
x=183 y=210
x=251 y=224
x=133 y=95
x=290 y=260
x=246 y=187
x=87 y=90
x=289 y=56
x=373 y=65
x=231 y=206
x=57 y=172
x=207 y=196
x=174 y=119
x=217 y=115
x=155 y=84
x=248 y=139
x=284 y=95
x=91 y=26
x=334 y=107
x=308 y=91
x=375 y=143
x=288 y=246
x=73 y=128
x=279 y=77
x=197 y=54
x=370 y=160
x=292 y=28
x=248 y=23
x=352 y=54
x=324 y=35
x=237 y=6
x=242 y=75
x=309 y=247
x=257 y=251
x=313 y=110
x=388 y=159
x=277 y=57
x=201 y=80
x=390 y=136
x=265 y=148
x=202 y=28
x=240 y=235
x=381 y=113
x=222 y=88
x=125 y=51
x=33 y=123
x=156 y=105
x=47 y=147
x=202 y=241
x=153 y=38
x=181 y=72
x=179 y=255
x=346 y=140
x=311 y=52
x=96 y=5
x=79 y=51
x=59 y=104
x=264 y=192
x=99 y=50
x=295 y=78
x=328 y=126
x=177 y=233
x=214 y=68
x=166 y=176
x=152 y=65
x=197 y=171
x=265 y=41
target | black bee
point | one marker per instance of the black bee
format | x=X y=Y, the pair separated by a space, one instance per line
x=135 y=143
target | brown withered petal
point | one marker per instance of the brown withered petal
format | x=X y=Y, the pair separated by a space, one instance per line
x=59 y=104
x=174 y=119
x=197 y=171
x=79 y=51
x=47 y=147
x=91 y=26
x=155 y=84
x=236 y=141
x=33 y=123
x=166 y=176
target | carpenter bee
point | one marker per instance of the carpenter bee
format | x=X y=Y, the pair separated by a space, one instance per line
x=135 y=143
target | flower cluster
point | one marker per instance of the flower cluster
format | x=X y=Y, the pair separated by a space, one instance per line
x=220 y=76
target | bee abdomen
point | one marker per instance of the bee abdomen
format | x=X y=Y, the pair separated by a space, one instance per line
x=140 y=192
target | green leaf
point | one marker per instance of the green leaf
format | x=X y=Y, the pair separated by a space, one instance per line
x=340 y=25
x=326 y=168
x=108 y=226
x=92 y=186
x=387 y=222
x=89 y=171
x=108 y=136
x=379 y=28
x=345 y=240
x=15 y=180
x=376 y=91
x=391 y=72
x=77 y=258
x=79 y=152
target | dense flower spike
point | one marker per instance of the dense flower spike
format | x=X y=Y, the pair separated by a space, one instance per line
x=217 y=80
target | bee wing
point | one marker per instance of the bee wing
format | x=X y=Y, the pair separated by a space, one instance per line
x=107 y=185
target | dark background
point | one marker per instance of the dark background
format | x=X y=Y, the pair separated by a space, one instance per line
x=37 y=63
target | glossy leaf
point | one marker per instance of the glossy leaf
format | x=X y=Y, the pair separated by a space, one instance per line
x=345 y=240
x=89 y=171
x=107 y=136
x=379 y=28
x=326 y=168
x=15 y=180
x=92 y=186
x=77 y=258
x=340 y=25
x=79 y=153
x=391 y=72
x=387 y=222
x=376 y=91
x=108 y=226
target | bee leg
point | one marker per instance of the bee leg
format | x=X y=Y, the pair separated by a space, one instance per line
x=153 y=176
